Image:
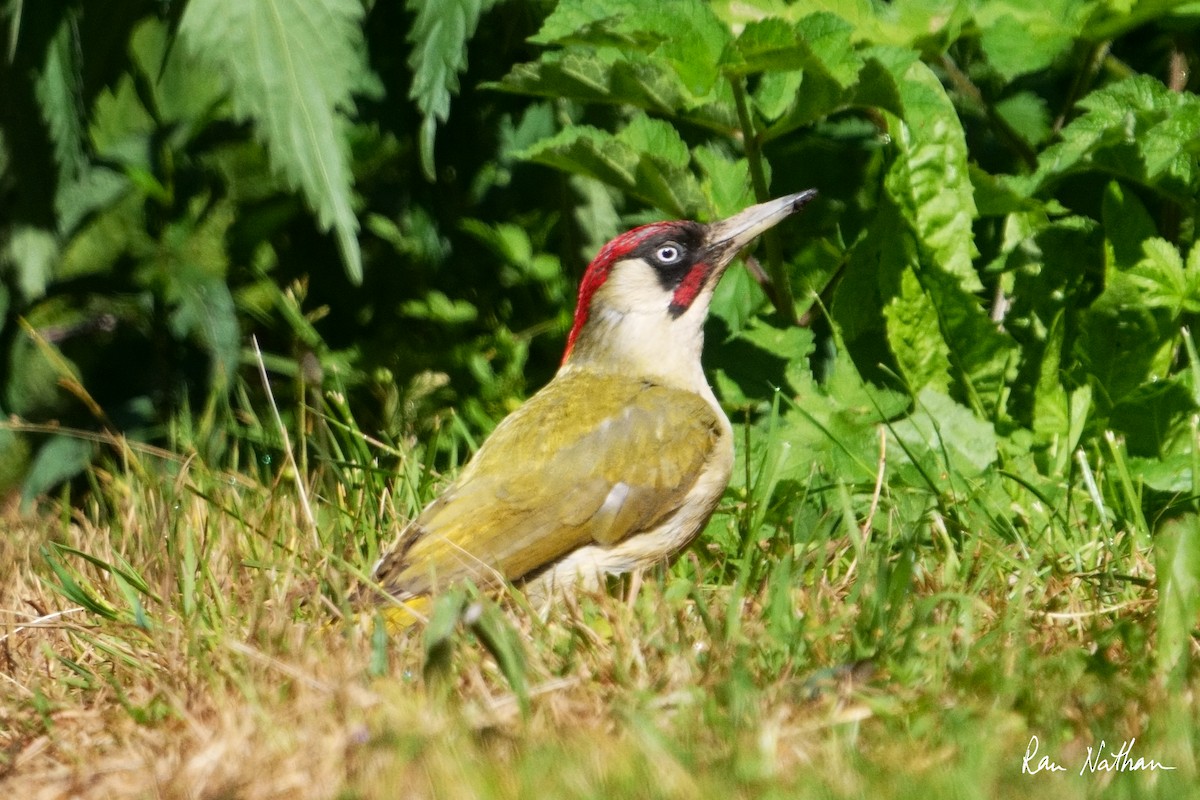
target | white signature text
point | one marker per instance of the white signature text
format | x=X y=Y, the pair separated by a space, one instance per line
x=1099 y=759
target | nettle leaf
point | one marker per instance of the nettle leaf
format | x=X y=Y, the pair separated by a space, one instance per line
x=602 y=75
x=647 y=159
x=916 y=337
x=819 y=42
x=685 y=34
x=929 y=178
x=439 y=36
x=809 y=67
x=1019 y=38
x=60 y=95
x=292 y=68
x=726 y=181
x=947 y=436
x=835 y=424
x=1162 y=279
x=620 y=76
x=1136 y=129
x=936 y=326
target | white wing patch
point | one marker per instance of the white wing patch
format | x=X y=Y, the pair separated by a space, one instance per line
x=609 y=512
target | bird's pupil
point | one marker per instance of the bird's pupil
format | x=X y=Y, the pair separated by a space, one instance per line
x=668 y=254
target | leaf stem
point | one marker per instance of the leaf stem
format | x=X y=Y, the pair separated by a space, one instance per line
x=782 y=295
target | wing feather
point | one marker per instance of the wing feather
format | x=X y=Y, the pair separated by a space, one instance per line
x=604 y=458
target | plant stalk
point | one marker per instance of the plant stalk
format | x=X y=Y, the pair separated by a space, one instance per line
x=781 y=297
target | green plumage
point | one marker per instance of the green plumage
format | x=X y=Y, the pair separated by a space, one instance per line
x=542 y=485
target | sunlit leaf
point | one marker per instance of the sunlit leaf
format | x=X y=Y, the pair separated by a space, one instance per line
x=292 y=68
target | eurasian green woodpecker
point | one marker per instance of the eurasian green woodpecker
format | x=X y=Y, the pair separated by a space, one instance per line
x=619 y=461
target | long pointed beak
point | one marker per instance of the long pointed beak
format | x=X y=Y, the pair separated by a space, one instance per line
x=726 y=238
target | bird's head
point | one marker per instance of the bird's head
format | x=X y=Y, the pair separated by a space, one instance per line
x=646 y=293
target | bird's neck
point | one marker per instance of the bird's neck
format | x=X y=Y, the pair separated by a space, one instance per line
x=645 y=346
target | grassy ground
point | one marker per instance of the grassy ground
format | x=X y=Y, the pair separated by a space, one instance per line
x=188 y=636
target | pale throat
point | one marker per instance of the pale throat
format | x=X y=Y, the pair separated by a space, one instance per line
x=645 y=344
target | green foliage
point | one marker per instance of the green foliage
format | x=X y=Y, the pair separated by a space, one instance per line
x=439 y=37
x=293 y=68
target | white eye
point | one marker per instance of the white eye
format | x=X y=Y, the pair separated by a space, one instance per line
x=669 y=253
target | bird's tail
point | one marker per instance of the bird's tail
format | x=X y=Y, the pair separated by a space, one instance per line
x=402 y=614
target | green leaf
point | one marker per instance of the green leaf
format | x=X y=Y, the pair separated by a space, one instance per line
x=1127 y=226
x=684 y=34
x=929 y=178
x=647 y=159
x=1178 y=571
x=32 y=254
x=948 y=436
x=293 y=67
x=835 y=424
x=437 y=307
x=61 y=458
x=1163 y=280
x=439 y=37
x=1019 y=37
x=1028 y=115
x=503 y=641
x=726 y=181
x=936 y=326
x=204 y=308
x=761 y=359
x=1136 y=129
x=819 y=42
x=60 y=94
x=916 y=337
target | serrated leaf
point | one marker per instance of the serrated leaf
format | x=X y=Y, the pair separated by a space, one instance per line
x=293 y=67
x=835 y=424
x=1021 y=38
x=685 y=34
x=60 y=96
x=1136 y=129
x=929 y=178
x=600 y=75
x=818 y=42
x=726 y=181
x=947 y=435
x=439 y=36
x=916 y=338
x=1162 y=280
x=647 y=159
x=625 y=76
